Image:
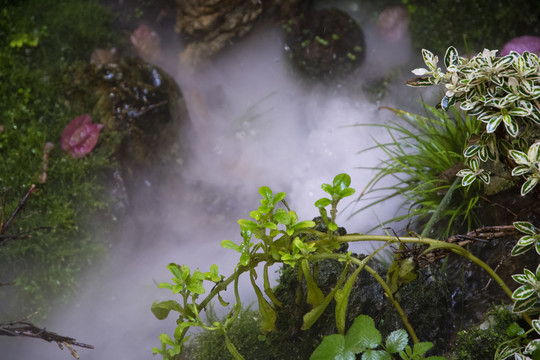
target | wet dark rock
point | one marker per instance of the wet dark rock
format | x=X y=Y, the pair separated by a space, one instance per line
x=325 y=44
x=210 y=25
x=144 y=107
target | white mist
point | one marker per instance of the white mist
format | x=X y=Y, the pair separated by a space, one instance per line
x=255 y=125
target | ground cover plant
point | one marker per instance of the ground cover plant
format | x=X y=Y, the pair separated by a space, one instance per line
x=53 y=239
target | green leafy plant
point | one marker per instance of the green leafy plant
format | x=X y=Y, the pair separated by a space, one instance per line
x=525 y=298
x=497 y=90
x=275 y=236
x=423 y=156
x=363 y=337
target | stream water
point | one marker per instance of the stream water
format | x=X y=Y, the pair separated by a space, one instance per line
x=258 y=125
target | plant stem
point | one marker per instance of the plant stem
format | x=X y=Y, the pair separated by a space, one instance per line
x=443 y=204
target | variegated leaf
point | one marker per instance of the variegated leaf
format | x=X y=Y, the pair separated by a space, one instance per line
x=484 y=176
x=520 y=278
x=471 y=151
x=474 y=164
x=523 y=292
x=526 y=240
x=430 y=60
x=524 y=305
x=528 y=185
x=518 y=249
x=511 y=125
x=534 y=153
x=451 y=58
x=468 y=179
x=493 y=123
x=525 y=227
x=519 y=157
x=422 y=81
x=536 y=325
x=521 y=170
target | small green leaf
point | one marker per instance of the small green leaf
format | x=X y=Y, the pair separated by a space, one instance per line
x=342 y=300
x=279 y=196
x=341 y=182
x=376 y=355
x=282 y=217
x=332 y=348
x=267 y=311
x=266 y=192
x=244 y=259
x=422 y=347
x=347 y=192
x=304 y=224
x=396 y=341
x=362 y=335
x=332 y=226
x=161 y=309
x=327 y=188
x=323 y=202
x=315 y=296
x=228 y=244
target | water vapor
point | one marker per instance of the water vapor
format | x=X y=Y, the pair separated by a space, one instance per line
x=254 y=123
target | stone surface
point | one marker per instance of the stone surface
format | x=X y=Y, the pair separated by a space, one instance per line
x=208 y=26
x=325 y=44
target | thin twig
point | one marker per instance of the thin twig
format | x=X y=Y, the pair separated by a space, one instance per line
x=19 y=207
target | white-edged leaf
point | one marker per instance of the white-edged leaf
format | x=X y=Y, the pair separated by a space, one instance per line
x=511 y=125
x=536 y=325
x=529 y=185
x=468 y=179
x=471 y=151
x=519 y=157
x=420 y=71
x=484 y=176
x=521 y=170
x=524 y=305
x=523 y=292
x=525 y=227
x=493 y=123
x=518 y=250
x=534 y=153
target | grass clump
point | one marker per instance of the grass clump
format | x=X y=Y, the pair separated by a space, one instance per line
x=423 y=156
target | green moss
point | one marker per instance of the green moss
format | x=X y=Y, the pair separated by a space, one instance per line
x=481 y=342
x=35 y=106
x=244 y=334
x=437 y=24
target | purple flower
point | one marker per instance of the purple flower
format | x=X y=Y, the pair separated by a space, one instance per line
x=80 y=136
x=521 y=44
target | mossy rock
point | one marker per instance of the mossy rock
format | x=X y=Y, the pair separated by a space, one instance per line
x=145 y=108
x=325 y=44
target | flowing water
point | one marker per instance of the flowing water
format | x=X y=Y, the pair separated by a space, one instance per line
x=255 y=124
